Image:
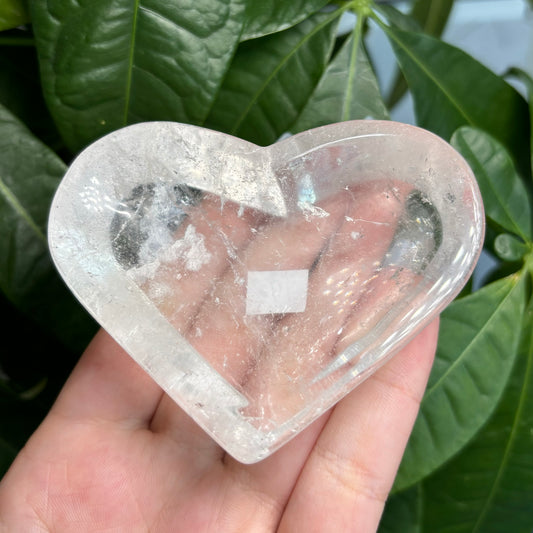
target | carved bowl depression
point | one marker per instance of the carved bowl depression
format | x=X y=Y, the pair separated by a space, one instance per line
x=259 y=285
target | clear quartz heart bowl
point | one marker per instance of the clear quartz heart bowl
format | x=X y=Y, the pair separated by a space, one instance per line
x=259 y=285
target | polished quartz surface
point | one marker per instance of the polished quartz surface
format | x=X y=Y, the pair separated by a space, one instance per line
x=258 y=286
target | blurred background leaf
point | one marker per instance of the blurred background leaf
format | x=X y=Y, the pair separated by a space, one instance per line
x=510 y=248
x=431 y=17
x=403 y=512
x=21 y=92
x=527 y=80
x=270 y=16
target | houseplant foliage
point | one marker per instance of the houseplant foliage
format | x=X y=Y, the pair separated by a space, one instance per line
x=72 y=71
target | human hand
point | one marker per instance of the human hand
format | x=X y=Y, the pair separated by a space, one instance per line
x=116 y=453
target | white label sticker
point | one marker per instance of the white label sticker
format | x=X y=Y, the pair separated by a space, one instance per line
x=276 y=291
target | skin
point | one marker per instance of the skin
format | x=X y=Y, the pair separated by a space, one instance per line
x=115 y=453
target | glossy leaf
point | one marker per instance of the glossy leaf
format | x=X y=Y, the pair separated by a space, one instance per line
x=270 y=16
x=29 y=175
x=488 y=488
x=477 y=347
x=108 y=64
x=510 y=248
x=504 y=195
x=451 y=89
x=271 y=79
x=431 y=17
x=13 y=13
x=348 y=89
x=397 y=18
x=402 y=513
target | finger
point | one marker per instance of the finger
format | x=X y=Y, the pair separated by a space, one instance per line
x=107 y=385
x=211 y=235
x=221 y=332
x=183 y=275
x=275 y=476
x=308 y=342
x=230 y=339
x=352 y=467
x=233 y=342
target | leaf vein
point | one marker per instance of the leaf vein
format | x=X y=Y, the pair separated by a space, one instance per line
x=281 y=64
x=430 y=75
x=13 y=201
x=480 y=333
x=512 y=437
x=129 y=76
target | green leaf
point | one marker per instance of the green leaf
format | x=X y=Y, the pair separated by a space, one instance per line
x=13 y=13
x=527 y=80
x=431 y=17
x=348 y=89
x=488 y=488
x=402 y=513
x=451 y=89
x=270 y=16
x=504 y=195
x=510 y=248
x=397 y=18
x=29 y=175
x=477 y=346
x=109 y=63
x=272 y=78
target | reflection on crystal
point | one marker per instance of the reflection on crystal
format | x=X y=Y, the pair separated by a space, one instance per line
x=260 y=285
x=306 y=191
x=145 y=221
x=419 y=234
x=233 y=294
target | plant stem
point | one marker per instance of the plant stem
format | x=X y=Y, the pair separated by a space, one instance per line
x=362 y=8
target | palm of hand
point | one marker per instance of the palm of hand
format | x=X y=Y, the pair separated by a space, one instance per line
x=116 y=454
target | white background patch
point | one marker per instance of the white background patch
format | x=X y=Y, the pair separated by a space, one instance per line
x=276 y=291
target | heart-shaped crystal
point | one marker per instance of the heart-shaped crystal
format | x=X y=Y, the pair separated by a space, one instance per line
x=258 y=286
